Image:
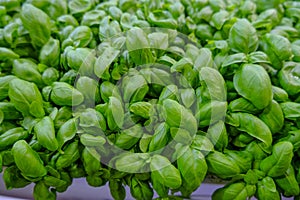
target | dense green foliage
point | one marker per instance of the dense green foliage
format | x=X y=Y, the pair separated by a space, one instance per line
x=150 y=94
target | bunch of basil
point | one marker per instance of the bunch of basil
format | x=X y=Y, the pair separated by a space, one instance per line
x=154 y=95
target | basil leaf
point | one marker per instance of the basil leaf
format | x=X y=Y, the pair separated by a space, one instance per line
x=289 y=78
x=214 y=83
x=45 y=134
x=221 y=165
x=115 y=114
x=138 y=46
x=253 y=126
x=279 y=94
x=253 y=83
x=160 y=137
x=178 y=116
x=9 y=137
x=266 y=189
x=50 y=53
x=192 y=167
x=132 y=163
x=140 y=189
x=104 y=60
x=243 y=37
x=218 y=135
x=13 y=178
x=288 y=183
x=27 y=70
x=291 y=110
x=242 y=105
x=273 y=117
x=278 y=49
x=276 y=164
x=27 y=160
x=127 y=138
x=238 y=190
x=165 y=172
x=64 y=94
x=117 y=189
x=37 y=23
x=234 y=59
x=26 y=98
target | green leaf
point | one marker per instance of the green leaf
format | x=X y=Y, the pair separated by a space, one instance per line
x=115 y=113
x=273 y=117
x=242 y=158
x=214 y=83
x=45 y=134
x=203 y=59
x=13 y=179
x=92 y=95
x=140 y=189
x=211 y=112
x=181 y=136
x=178 y=116
x=69 y=156
x=217 y=134
x=266 y=189
x=160 y=137
x=134 y=87
x=253 y=126
x=50 y=75
x=80 y=6
x=236 y=190
x=254 y=84
x=141 y=109
x=193 y=168
x=162 y=19
x=279 y=94
x=81 y=36
x=6 y=53
x=9 y=111
x=159 y=41
x=117 y=189
x=258 y=57
x=9 y=137
x=4 y=85
x=289 y=78
x=92 y=122
x=41 y=191
x=288 y=183
x=242 y=105
x=91 y=160
x=64 y=94
x=127 y=138
x=221 y=165
x=203 y=144
x=92 y=141
x=132 y=162
x=37 y=24
x=138 y=46
x=50 y=53
x=165 y=172
x=187 y=96
x=291 y=110
x=27 y=70
x=243 y=37
x=234 y=59
x=276 y=164
x=219 y=19
x=104 y=60
x=27 y=160
x=278 y=49
x=23 y=94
